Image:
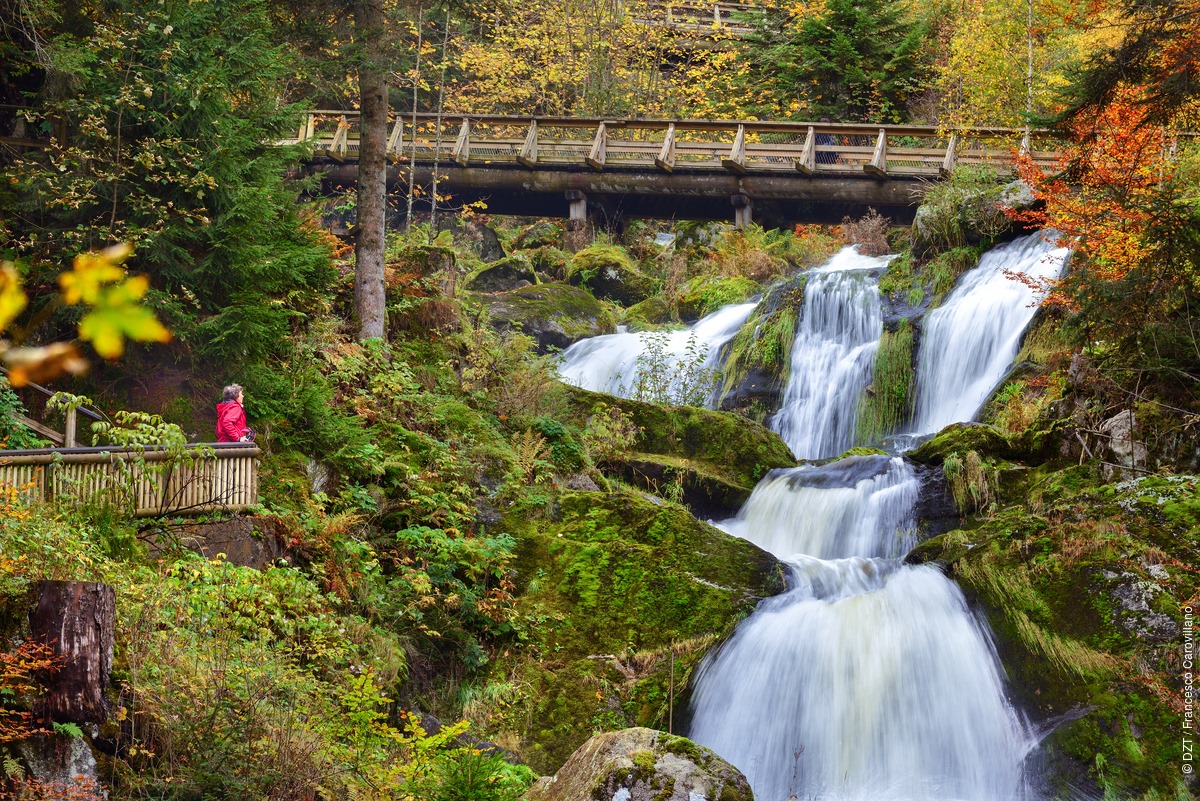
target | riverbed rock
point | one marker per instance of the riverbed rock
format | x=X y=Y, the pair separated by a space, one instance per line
x=642 y=765
x=555 y=315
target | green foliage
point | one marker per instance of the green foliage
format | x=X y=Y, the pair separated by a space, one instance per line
x=14 y=435
x=174 y=116
x=680 y=379
x=963 y=209
x=886 y=404
x=705 y=294
x=851 y=62
x=947 y=266
x=972 y=482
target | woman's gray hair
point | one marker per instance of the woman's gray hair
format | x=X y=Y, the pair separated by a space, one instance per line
x=231 y=392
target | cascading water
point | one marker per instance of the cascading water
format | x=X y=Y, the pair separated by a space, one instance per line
x=612 y=363
x=832 y=356
x=868 y=679
x=969 y=342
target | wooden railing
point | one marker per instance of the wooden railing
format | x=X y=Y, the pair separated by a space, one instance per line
x=696 y=16
x=150 y=482
x=799 y=148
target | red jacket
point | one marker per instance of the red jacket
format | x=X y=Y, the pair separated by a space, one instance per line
x=231 y=421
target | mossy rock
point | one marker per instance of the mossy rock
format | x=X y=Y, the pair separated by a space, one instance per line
x=697 y=485
x=756 y=362
x=623 y=581
x=556 y=315
x=651 y=311
x=512 y=272
x=739 y=450
x=641 y=764
x=960 y=438
x=426 y=259
x=550 y=262
x=608 y=273
x=1083 y=584
x=543 y=233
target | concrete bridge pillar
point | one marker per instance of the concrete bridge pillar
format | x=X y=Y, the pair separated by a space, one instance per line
x=577 y=220
x=742 y=207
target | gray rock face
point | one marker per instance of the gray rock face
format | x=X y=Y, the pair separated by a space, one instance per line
x=642 y=765
x=60 y=760
x=1123 y=446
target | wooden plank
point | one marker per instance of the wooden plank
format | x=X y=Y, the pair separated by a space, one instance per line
x=665 y=160
x=736 y=160
x=462 y=146
x=396 y=138
x=529 y=151
x=878 y=164
x=595 y=157
x=807 y=163
x=44 y=430
x=951 y=155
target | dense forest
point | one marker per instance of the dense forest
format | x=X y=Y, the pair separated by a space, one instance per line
x=459 y=567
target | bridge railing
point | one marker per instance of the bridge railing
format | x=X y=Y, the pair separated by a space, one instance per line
x=669 y=145
x=149 y=482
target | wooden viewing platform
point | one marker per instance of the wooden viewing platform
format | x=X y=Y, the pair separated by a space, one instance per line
x=151 y=482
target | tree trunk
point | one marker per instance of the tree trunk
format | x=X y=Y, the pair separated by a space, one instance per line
x=75 y=618
x=369 y=298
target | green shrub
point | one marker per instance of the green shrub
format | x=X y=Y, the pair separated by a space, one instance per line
x=887 y=402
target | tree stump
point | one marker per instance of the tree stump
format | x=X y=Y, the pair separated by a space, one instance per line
x=75 y=618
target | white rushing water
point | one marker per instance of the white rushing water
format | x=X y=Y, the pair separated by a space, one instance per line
x=832 y=356
x=969 y=342
x=869 y=679
x=613 y=363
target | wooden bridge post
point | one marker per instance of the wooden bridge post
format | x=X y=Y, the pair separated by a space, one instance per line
x=808 y=156
x=396 y=139
x=736 y=160
x=951 y=159
x=595 y=158
x=462 y=146
x=577 y=223
x=742 y=206
x=528 y=155
x=665 y=160
x=878 y=165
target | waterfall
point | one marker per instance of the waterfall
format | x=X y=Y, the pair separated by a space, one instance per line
x=613 y=363
x=868 y=679
x=969 y=342
x=832 y=356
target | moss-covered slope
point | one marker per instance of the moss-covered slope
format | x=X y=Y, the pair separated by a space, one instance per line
x=625 y=588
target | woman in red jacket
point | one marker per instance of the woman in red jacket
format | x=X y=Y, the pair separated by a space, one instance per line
x=231 y=417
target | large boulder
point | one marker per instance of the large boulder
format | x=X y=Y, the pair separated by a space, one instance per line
x=642 y=765
x=544 y=233
x=556 y=315
x=607 y=271
x=513 y=272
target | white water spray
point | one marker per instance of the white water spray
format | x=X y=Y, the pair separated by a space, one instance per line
x=832 y=356
x=969 y=342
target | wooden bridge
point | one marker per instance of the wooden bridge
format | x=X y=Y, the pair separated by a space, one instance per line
x=687 y=169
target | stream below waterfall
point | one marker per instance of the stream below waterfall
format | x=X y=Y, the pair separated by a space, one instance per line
x=868 y=678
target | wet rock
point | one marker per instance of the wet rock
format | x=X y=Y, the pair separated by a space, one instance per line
x=1134 y=597
x=642 y=765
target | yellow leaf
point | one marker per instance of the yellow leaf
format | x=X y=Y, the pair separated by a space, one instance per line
x=12 y=296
